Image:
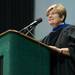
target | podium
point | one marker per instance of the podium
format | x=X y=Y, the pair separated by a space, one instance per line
x=22 y=55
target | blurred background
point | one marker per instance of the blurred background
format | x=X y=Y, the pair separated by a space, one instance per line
x=16 y=14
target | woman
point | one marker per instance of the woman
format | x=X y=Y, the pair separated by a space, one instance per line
x=61 y=40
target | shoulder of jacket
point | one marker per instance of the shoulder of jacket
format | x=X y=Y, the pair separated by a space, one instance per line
x=69 y=28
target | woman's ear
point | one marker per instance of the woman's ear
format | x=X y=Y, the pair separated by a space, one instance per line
x=62 y=18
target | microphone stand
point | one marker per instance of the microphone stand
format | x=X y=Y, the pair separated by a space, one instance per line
x=30 y=25
x=28 y=31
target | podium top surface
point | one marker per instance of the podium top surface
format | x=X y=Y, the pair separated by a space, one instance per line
x=25 y=36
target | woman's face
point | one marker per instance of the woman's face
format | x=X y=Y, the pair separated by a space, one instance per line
x=54 y=18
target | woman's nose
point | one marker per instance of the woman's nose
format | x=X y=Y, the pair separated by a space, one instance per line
x=49 y=16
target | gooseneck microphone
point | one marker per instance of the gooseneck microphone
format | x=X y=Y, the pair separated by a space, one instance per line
x=33 y=24
x=37 y=21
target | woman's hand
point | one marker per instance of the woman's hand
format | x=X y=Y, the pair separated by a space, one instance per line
x=64 y=51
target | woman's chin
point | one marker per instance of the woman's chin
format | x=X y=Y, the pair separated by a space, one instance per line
x=51 y=23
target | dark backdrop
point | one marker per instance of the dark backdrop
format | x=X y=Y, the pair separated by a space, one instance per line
x=15 y=14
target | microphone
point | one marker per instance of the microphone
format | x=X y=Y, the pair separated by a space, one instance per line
x=34 y=23
x=37 y=21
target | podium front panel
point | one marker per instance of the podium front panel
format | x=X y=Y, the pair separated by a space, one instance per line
x=22 y=56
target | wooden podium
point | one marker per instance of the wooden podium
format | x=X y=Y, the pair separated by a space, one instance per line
x=22 y=55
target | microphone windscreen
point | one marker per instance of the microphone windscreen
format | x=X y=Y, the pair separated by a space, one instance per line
x=39 y=20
